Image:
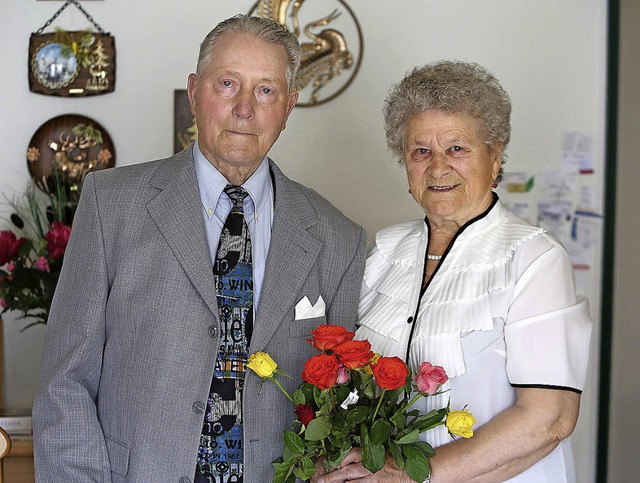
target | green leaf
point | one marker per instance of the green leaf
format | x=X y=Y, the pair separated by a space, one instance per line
x=409 y=437
x=293 y=443
x=368 y=388
x=338 y=423
x=380 y=431
x=299 y=397
x=425 y=447
x=399 y=420
x=305 y=469
x=318 y=429
x=357 y=414
x=336 y=459
x=431 y=420
x=284 y=472
x=373 y=454
x=418 y=466
x=396 y=452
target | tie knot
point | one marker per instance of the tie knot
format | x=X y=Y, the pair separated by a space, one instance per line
x=237 y=194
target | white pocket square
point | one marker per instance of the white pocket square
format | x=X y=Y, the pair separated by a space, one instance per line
x=304 y=309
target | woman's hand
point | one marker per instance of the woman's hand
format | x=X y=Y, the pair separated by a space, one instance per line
x=351 y=469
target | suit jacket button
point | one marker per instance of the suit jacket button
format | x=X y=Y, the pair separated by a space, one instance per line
x=198 y=407
x=213 y=331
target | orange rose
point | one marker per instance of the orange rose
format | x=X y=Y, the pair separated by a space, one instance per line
x=354 y=353
x=390 y=372
x=328 y=336
x=321 y=371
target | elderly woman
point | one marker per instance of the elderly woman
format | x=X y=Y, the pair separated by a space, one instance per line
x=475 y=289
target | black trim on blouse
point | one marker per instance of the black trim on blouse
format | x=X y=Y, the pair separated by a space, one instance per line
x=547 y=386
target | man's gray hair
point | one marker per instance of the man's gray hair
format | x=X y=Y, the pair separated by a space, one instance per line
x=454 y=87
x=261 y=28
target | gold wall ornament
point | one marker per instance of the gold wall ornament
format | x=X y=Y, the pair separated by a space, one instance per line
x=69 y=146
x=185 y=130
x=331 y=41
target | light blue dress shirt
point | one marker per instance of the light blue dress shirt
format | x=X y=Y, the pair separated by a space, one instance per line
x=258 y=212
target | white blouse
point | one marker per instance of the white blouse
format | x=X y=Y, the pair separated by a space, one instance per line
x=501 y=310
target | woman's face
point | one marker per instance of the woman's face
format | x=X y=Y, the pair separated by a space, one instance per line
x=450 y=169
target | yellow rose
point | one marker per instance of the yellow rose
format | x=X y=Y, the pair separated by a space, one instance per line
x=374 y=360
x=460 y=423
x=262 y=364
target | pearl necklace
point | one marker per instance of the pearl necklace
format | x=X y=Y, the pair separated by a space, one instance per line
x=433 y=257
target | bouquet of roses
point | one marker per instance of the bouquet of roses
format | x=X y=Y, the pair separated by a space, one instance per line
x=30 y=262
x=353 y=397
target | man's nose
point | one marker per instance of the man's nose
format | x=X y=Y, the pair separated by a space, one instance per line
x=244 y=107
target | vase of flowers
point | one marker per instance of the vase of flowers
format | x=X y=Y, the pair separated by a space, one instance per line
x=352 y=397
x=31 y=253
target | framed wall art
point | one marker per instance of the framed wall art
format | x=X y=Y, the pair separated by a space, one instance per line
x=72 y=63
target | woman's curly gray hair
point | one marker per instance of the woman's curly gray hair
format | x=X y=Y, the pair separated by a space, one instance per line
x=450 y=86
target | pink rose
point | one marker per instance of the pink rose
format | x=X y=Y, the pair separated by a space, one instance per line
x=42 y=264
x=9 y=246
x=429 y=378
x=343 y=375
x=57 y=239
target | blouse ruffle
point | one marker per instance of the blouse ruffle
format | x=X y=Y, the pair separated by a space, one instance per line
x=458 y=298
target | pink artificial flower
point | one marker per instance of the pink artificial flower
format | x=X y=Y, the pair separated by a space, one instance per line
x=343 y=375
x=42 y=264
x=9 y=246
x=57 y=239
x=429 y=378
x=3 y=303
x=11 y=267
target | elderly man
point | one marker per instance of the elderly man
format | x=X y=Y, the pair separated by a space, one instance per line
x=178 y=269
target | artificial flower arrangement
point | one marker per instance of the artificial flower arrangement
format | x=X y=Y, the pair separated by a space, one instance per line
x=351 y=396
x=31 y=260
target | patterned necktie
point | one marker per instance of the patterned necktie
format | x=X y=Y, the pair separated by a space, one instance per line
x=220 y=456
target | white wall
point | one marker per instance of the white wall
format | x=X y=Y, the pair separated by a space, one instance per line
x=549 y=55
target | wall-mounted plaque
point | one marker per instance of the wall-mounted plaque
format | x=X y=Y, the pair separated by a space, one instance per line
x=72 y=63
x=68 y=146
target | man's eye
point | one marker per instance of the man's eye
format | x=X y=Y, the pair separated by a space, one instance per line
x=266 y=90
x=226 y=83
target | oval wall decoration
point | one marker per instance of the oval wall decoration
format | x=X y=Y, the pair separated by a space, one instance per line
x=331 y=41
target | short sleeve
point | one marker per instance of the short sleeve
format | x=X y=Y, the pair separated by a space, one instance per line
x=548 y=326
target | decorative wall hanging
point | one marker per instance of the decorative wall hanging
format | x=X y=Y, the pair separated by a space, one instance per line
x=68 y=147
x=185 y=130
x=72 y=63
x=332 y=44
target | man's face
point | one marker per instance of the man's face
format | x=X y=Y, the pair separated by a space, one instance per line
x=241 y=102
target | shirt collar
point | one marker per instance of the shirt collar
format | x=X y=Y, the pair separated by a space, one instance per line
x=212 y=183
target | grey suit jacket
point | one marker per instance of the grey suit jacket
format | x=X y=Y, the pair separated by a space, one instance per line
x=133 y=333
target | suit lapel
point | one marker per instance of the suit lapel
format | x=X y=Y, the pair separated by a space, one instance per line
x=176 y=210
x=293 y=251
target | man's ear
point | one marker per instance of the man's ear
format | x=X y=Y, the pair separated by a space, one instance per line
x=291 y=103
x=192 y=83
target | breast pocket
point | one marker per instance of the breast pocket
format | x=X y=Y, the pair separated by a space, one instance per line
x=303 y=327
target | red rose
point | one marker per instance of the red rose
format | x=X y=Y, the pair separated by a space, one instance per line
x=321 y=371
x=9 y=246
x=305 y=413
x=57 y=239
x=429 y=378
x=354 y=353
x=327 y=336
x=390 y=372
